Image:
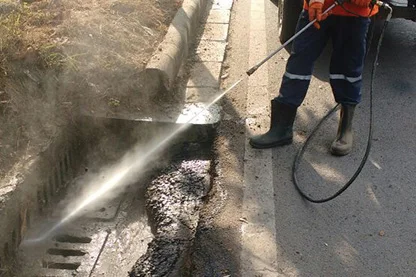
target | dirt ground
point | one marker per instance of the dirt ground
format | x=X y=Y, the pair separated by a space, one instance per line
x=57 y=57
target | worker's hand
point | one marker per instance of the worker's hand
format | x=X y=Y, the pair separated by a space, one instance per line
x=361 y=3
x=315 y=12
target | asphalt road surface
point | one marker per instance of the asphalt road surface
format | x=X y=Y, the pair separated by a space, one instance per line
x=370 y=229
x=265 y=228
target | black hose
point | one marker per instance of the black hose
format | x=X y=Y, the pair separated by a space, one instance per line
x=370 y=134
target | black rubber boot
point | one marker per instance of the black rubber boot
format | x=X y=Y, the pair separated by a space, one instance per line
x=343 y=143
x=281 y=127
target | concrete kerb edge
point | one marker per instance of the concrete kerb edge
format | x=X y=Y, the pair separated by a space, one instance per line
x=167 y=59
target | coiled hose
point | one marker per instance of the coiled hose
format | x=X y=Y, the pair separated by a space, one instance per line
x=302 y=150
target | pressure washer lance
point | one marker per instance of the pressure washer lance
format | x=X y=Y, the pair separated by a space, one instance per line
x=257 y=66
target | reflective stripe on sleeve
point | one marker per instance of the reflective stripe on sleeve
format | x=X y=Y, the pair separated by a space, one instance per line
x=343 y=77
x=298 y=77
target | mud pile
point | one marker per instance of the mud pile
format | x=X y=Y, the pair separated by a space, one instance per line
x=173 y=201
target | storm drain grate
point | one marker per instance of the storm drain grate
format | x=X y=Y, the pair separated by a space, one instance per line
x=76 y=250
x=73 y=253
x=66 y=252
x=72 y=239
x=66 y=266
x=66 y=256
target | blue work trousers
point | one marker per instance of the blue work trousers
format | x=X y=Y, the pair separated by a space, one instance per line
x=348 y=35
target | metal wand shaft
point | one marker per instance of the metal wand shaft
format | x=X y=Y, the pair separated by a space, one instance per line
x=257 y=66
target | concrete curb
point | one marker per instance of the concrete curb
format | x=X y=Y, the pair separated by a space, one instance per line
x=166 y=61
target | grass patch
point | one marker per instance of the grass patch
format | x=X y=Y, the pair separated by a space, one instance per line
x=57 y=57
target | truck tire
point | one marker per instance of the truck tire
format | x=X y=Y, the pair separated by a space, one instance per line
x=289 y=11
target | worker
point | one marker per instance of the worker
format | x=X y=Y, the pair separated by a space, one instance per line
x=347 y=27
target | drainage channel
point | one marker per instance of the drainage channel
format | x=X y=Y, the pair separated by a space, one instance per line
x=112 y=238
x=75 y=249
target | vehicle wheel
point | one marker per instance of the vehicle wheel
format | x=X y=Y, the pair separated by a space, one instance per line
x=289 y=11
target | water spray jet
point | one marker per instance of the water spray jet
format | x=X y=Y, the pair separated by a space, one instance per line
x=122 y=173
x=116 y=181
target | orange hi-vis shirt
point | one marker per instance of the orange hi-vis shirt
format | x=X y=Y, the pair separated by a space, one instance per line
x=338 y=10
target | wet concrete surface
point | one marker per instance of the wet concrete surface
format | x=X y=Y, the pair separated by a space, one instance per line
x=103 y=242
x=217 y=245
